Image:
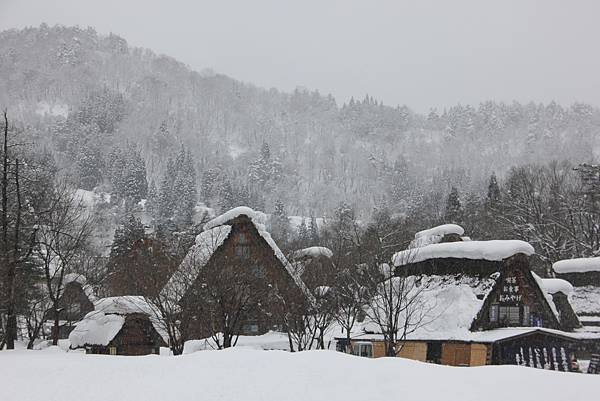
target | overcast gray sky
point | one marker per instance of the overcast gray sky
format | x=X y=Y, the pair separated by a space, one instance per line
x=419 y=53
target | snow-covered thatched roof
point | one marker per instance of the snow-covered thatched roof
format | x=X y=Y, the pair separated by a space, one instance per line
x=207 y=242
x=313 y=252
x=495 y=250
x=579 y=265
x=435 y=235
x=586 y=300
x=74 y=278
x=585 y=295
x=124 y=305
x=102 y=324
x=257 y=217
x=450 y=305
x=214 y=235
x=556 y=285
x=96 y=328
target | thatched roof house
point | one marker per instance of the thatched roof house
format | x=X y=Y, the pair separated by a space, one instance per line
x=314 y=265
x=234 y=246
x=484 y=304
x=119 y=326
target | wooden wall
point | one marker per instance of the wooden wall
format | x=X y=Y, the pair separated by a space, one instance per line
x=480 y=355
x=465 y=354
x=453 y=353
x=378 y=349
x=414 y=350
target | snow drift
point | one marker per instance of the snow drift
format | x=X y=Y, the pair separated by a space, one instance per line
x=244 y=374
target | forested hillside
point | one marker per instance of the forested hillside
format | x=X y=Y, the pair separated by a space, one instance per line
x=93 y=102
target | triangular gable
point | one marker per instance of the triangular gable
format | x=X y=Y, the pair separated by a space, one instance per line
x=518 y=286
x=217 y=236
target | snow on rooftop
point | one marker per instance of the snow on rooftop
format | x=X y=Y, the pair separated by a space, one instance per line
x=74 y=277
x=207 y=242
x=586 y=300
x=495 y=250
x=579 y=265
x=450 y=305
x=441 y=230
x=547 y=295
x=257 y=217
x=313 y=252
x=434 y=235
x=124 y=305
x=102 y=324
x=96 y=328
x=554 y=285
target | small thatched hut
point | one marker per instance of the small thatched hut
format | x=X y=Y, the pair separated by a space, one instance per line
x=119 y=326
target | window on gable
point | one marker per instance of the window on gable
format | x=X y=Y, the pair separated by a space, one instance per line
x=494 y=313
x=509 y=314
x=243 y=246
x=526 y=320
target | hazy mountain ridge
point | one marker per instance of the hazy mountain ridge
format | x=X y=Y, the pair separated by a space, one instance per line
x=361 y=152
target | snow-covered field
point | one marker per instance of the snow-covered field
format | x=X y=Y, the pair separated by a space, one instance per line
x=246 y=374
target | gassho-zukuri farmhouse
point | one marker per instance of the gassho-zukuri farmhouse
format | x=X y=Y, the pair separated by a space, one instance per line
x=481 y=302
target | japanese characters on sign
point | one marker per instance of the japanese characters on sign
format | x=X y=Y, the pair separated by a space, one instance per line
x=510 y=290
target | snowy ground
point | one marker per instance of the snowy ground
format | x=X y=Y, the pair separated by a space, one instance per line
x=248 y=374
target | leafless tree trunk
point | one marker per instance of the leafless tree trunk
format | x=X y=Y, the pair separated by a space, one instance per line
x=63 y=235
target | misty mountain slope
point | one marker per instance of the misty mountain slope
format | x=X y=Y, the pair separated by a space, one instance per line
x=81 y=94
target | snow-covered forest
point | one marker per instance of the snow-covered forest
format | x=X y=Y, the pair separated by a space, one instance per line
x=87 y=99
x=132 y=125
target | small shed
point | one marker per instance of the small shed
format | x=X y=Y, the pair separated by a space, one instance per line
x=119 y=326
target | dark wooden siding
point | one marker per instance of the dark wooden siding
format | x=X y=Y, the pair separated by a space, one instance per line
x=248 y=252
x=137 y=337
x=527 y=295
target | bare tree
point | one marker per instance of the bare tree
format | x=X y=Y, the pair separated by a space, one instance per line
x=38 y=304
x=351 y=297
x=63 y=234
x=16 y=238
x=397 y=307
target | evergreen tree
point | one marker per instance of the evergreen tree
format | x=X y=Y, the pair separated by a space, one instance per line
x=226 y=196
x=210 y=184
x=90 y=167
x=313 y=231
x=151 y=204
x=185 y=193
x=493 y=195
x=280 y=223
x=166 y=194
x=134 y=178
x=126 y=234
x=453 y=212
x=303 y=235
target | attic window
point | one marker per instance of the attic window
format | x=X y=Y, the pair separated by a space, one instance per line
x=243 y=246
